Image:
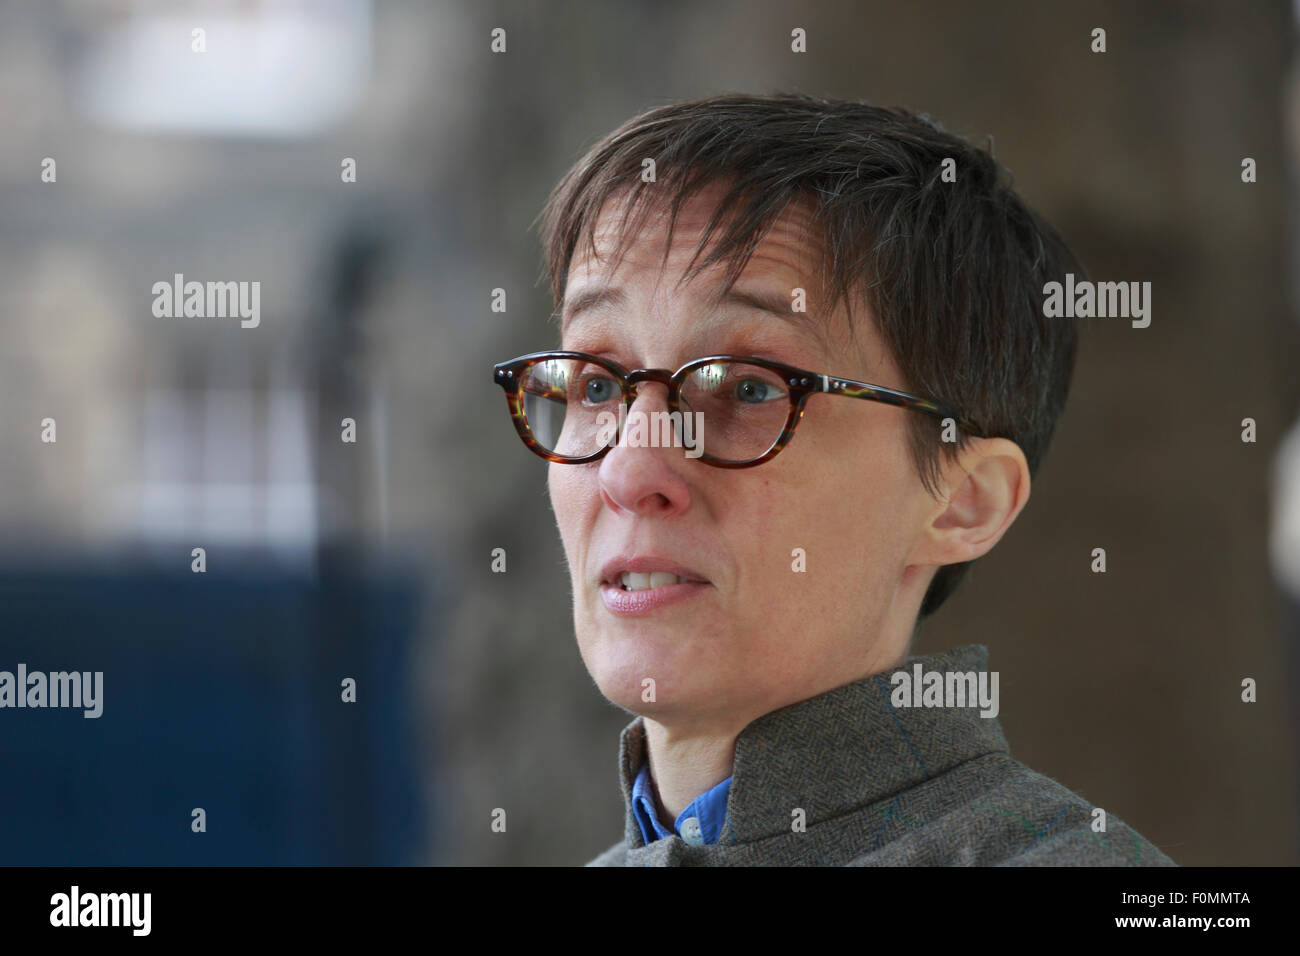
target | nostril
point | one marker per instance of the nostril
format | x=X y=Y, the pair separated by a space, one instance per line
x=608 y=501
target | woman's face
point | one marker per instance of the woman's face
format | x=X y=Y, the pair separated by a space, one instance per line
x=757 y=634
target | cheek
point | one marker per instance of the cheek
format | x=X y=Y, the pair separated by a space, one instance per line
x=780 y=514
x=847 y=512
x=569 y=498
x=877 y=510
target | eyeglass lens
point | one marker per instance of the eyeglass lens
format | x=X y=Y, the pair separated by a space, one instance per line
x=733 y=411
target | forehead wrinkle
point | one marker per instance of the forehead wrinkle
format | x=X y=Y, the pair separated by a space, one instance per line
x=787 y=243
x=591 y=300
x=759 y=300
x=587 y=303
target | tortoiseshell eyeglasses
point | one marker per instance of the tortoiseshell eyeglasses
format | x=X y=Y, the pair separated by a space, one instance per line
x=735 y=411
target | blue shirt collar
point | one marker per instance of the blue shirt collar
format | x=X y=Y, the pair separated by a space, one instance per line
x=699 y=824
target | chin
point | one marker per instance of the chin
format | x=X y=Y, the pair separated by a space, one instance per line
x=619 y=666
x=621 y=688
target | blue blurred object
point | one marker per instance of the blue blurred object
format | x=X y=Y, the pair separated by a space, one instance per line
x=221 y=692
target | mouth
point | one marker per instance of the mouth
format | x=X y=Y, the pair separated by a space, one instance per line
x=649 y=581
x=647 y=572
x=641 y=585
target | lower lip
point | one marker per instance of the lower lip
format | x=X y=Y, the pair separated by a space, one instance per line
x=630 y=603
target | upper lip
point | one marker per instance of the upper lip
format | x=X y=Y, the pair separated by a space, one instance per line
x=645 y=564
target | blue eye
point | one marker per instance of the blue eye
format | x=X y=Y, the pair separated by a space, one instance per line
x=600 y=390
x=753 y=391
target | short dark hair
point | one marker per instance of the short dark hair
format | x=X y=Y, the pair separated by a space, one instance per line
x=952 y=270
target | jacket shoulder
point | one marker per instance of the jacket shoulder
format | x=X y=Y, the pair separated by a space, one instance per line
x=1068 y=838
x=995 y=811
x=1056 y=827
x=1121 y=845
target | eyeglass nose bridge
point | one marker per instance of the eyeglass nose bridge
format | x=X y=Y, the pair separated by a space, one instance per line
x=639 y=375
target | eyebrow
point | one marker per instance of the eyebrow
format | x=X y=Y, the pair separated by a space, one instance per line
x=588 y=300
x=758 y=299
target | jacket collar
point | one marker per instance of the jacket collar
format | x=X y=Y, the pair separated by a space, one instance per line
x=837 y=752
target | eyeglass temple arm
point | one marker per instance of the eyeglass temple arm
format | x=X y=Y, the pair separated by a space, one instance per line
x=878 y=393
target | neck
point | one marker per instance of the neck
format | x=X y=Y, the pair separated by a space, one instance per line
x=683 y=767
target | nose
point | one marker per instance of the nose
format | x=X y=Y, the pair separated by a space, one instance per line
x=657 y=393
x=638 y=479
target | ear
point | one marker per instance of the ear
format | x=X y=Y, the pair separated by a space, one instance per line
x=982 y=493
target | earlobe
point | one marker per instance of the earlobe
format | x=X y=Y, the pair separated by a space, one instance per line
x=985 y=491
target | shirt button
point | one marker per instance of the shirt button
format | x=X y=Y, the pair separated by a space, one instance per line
x=691 y=831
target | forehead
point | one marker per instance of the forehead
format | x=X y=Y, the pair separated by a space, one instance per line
x=791 y=240
x=788 y=256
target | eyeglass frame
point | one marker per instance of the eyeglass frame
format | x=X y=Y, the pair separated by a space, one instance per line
x=801 y=384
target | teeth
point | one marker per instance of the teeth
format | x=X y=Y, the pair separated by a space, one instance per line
x=636 y=581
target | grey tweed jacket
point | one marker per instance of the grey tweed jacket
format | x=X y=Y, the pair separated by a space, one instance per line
x=881 y=785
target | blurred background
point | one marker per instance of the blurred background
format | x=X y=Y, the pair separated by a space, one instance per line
x=371 y=559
